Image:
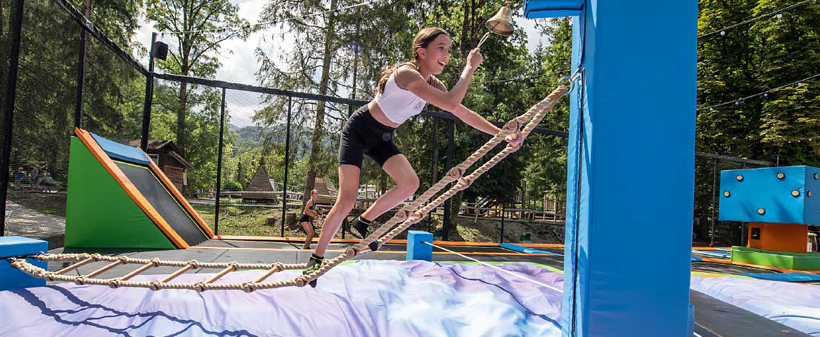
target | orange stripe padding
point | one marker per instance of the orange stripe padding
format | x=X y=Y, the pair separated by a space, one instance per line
x=129 y=187
x=168 y=184
x=436 y=242
x=710 y=248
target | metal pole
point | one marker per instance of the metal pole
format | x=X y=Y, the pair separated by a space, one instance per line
x=15 y=28
x=78 y=104
x=433 y=170
x=349 y=113
x=149 y=96
x=714 y=196
x=450 y=143
x=219 y=161
x=503 y=213
x=287 y=164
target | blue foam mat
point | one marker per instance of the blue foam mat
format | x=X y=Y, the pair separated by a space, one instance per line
x=122 y=152
x=785 y=277
x=525 y=250
x=716 y=254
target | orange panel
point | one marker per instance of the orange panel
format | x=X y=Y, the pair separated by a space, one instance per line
x=129 y=188
x=779 y=237
x=168 y=184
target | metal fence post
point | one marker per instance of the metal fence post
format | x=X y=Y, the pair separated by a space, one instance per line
x=287 y=165
x=714 y=205
x=219 y=162
x=78 y=104
x=450 y=143
x=349 y=113
x=15 y=29
x=433 y=170
x=149 y=96
x=503 y=215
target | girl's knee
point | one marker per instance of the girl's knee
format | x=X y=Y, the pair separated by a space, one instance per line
x=409 y=185
x=345 y=204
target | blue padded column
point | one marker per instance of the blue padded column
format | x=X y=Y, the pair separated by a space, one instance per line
x=416 y=250
x=631 y=168
x=13 y=246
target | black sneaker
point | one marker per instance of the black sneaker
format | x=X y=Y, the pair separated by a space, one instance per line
x=361 y=226
x=313 y=265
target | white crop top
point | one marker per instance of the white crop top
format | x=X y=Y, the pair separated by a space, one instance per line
x=398 y=104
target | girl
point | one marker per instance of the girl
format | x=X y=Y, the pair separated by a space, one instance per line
x=306 y=221
x=402 y=92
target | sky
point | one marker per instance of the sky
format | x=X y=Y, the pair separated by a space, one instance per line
x=239 y=63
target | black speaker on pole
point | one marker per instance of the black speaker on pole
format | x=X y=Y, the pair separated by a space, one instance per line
x=160 y=50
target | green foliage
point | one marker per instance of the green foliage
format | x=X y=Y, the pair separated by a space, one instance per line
x=47 y=78
x=231 y=186
x=747 y=60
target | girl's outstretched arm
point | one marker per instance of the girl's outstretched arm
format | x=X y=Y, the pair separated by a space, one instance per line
x=475 y=120
x=480 y=123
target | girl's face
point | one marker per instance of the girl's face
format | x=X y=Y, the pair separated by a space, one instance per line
x=314 y=195
x=437 y=54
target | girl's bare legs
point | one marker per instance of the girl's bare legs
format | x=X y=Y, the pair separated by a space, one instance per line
x=348 y=192
x=407 y=182
x=310 y=234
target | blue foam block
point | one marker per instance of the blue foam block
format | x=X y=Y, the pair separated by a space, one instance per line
x=417 y=250
x=525 y=250
x=534 y=9
x=785 y=277
x=10 y=277
x=122 y=152
x=771 y=194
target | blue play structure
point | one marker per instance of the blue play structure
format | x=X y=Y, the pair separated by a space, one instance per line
x=630 y=164
x=771 y=194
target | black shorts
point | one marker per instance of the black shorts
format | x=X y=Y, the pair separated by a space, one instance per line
x=306 y=218
x=364 y=135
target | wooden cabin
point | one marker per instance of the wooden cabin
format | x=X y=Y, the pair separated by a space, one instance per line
x=165 y=154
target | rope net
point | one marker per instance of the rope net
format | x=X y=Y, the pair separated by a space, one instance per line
x=403 y=219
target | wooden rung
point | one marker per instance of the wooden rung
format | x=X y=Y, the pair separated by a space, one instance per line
x=267 y=274
x=75 y=266
x=103 y=269
x=137 y=272
x=177 y=273
x=221 y=273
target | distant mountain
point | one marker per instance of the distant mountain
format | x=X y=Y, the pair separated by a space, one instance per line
x=253 y=136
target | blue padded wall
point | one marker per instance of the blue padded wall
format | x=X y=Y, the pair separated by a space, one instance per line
x=770 y=190
x=631 y=168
